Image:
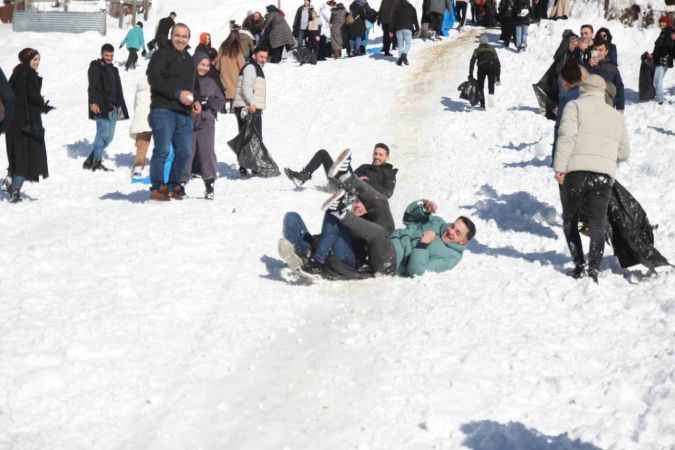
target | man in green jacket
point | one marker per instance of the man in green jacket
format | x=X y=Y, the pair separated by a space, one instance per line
x=427 y=243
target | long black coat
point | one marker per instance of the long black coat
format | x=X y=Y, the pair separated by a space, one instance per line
x=358 y=12
x=7 y=98
x=630 y=231
x=26 y=153
x=103 y=80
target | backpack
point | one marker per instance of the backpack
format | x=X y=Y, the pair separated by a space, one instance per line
x=469 y=91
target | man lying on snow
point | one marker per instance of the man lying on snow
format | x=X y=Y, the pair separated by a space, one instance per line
x=427 y=243
x=379 y=174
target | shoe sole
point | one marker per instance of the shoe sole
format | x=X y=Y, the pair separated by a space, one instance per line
x=288 y=254
x=344 y=154
x=337 y=195
x=297 y=183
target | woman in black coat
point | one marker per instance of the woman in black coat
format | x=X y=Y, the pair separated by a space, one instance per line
x=26 y=150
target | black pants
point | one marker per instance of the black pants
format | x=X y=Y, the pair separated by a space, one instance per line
x=586 y=194
x=388 y=42
x=381 y=254
x=460 y=11
x=320 y=158
x=276 y=54
x=325 y=49
x=131 y=60
x=508 y=32
x=491 y=76
x=435 y=22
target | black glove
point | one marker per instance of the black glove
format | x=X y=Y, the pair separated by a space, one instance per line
x=144 y=53
x=47 y=107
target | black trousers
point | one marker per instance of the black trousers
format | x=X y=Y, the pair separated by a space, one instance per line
x=491 y=77
x=388 y=42
x=381 y=254
x=460 y=11
x=320 y=158
x=435 y=22
x=131 y=59
x=276 y=54
x=586 y=195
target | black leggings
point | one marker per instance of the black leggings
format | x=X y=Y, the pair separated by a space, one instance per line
x=586 y=195
x=388 y=42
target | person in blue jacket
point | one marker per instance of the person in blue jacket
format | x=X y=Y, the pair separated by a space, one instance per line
x=135 y=41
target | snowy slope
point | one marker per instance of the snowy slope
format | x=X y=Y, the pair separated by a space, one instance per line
x=128 y=325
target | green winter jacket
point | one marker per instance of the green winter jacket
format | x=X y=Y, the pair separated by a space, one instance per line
x=134 y=39
x=413 y=258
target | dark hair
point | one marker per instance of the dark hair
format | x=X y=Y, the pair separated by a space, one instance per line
x=571 y=72
x=231 y=47
x=27 y=54
x=139 y=24
x=598 y=42
x=470 y=225
x=606 y=31
x=262 y=48
x=587 y=26
x=107 y=48
x=172 y=13
x=181 y=25
x=384 y=147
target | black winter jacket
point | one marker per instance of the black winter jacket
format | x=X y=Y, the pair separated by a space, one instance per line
x=664 y=47
x=386 y=13
x=405 y=17
x=170 y=72
x=518 y=7
x=104 y=84
x=382 y=178
x=611 y=74
x=164 y=27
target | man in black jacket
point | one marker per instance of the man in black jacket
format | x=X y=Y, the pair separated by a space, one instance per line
x=405 y=25
x=171 y=74
x=163 y=29
x=106 y=104
x=386 y=19
x=599 y=64
x=379 y=174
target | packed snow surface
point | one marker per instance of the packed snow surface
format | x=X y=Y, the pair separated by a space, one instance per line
x=126 y=324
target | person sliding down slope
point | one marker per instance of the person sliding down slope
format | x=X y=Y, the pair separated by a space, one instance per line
x=379 y=174
x=488 y=67
x=426 y=244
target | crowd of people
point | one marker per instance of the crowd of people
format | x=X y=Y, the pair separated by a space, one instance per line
x=178 y=103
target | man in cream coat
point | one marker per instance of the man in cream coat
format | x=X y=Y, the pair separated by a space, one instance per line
x=592 y=140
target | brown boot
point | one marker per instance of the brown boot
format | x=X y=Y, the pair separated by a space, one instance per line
x=161 y=194
x=178 y=192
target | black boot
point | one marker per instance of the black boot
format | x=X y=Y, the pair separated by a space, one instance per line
x=593 y=274
x=298 y=178
x=89 y=162
x=208 y=193
x=579 y=271
x=14 y=196
x=243 y=173
x=98 y=165
x=399 y=61
x=405 y=59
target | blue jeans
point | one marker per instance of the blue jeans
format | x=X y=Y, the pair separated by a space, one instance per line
x=105 y=132
x=334 y=239
x=404 y=38
x=355 y=44
x=17 y=182
x=659 y=74
x=521 y=36
x=301 y=38
x=169 y=128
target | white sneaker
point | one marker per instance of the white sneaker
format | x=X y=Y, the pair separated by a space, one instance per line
x=136 y=172
x=491 y=101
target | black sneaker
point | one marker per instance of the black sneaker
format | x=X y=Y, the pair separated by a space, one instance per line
x=338 y=204
x=98 y=165
x=298 y=178
x=243 y=173
x=208 y=193
x=15 y=197
x=88 y=163
x=579 y=271
x=342 y=166
x=405 y=59
x=312 y=267
x=593 y=274
x=399 y=61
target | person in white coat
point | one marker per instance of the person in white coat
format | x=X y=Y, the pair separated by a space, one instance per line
x=140 y=129
x=324 y=45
